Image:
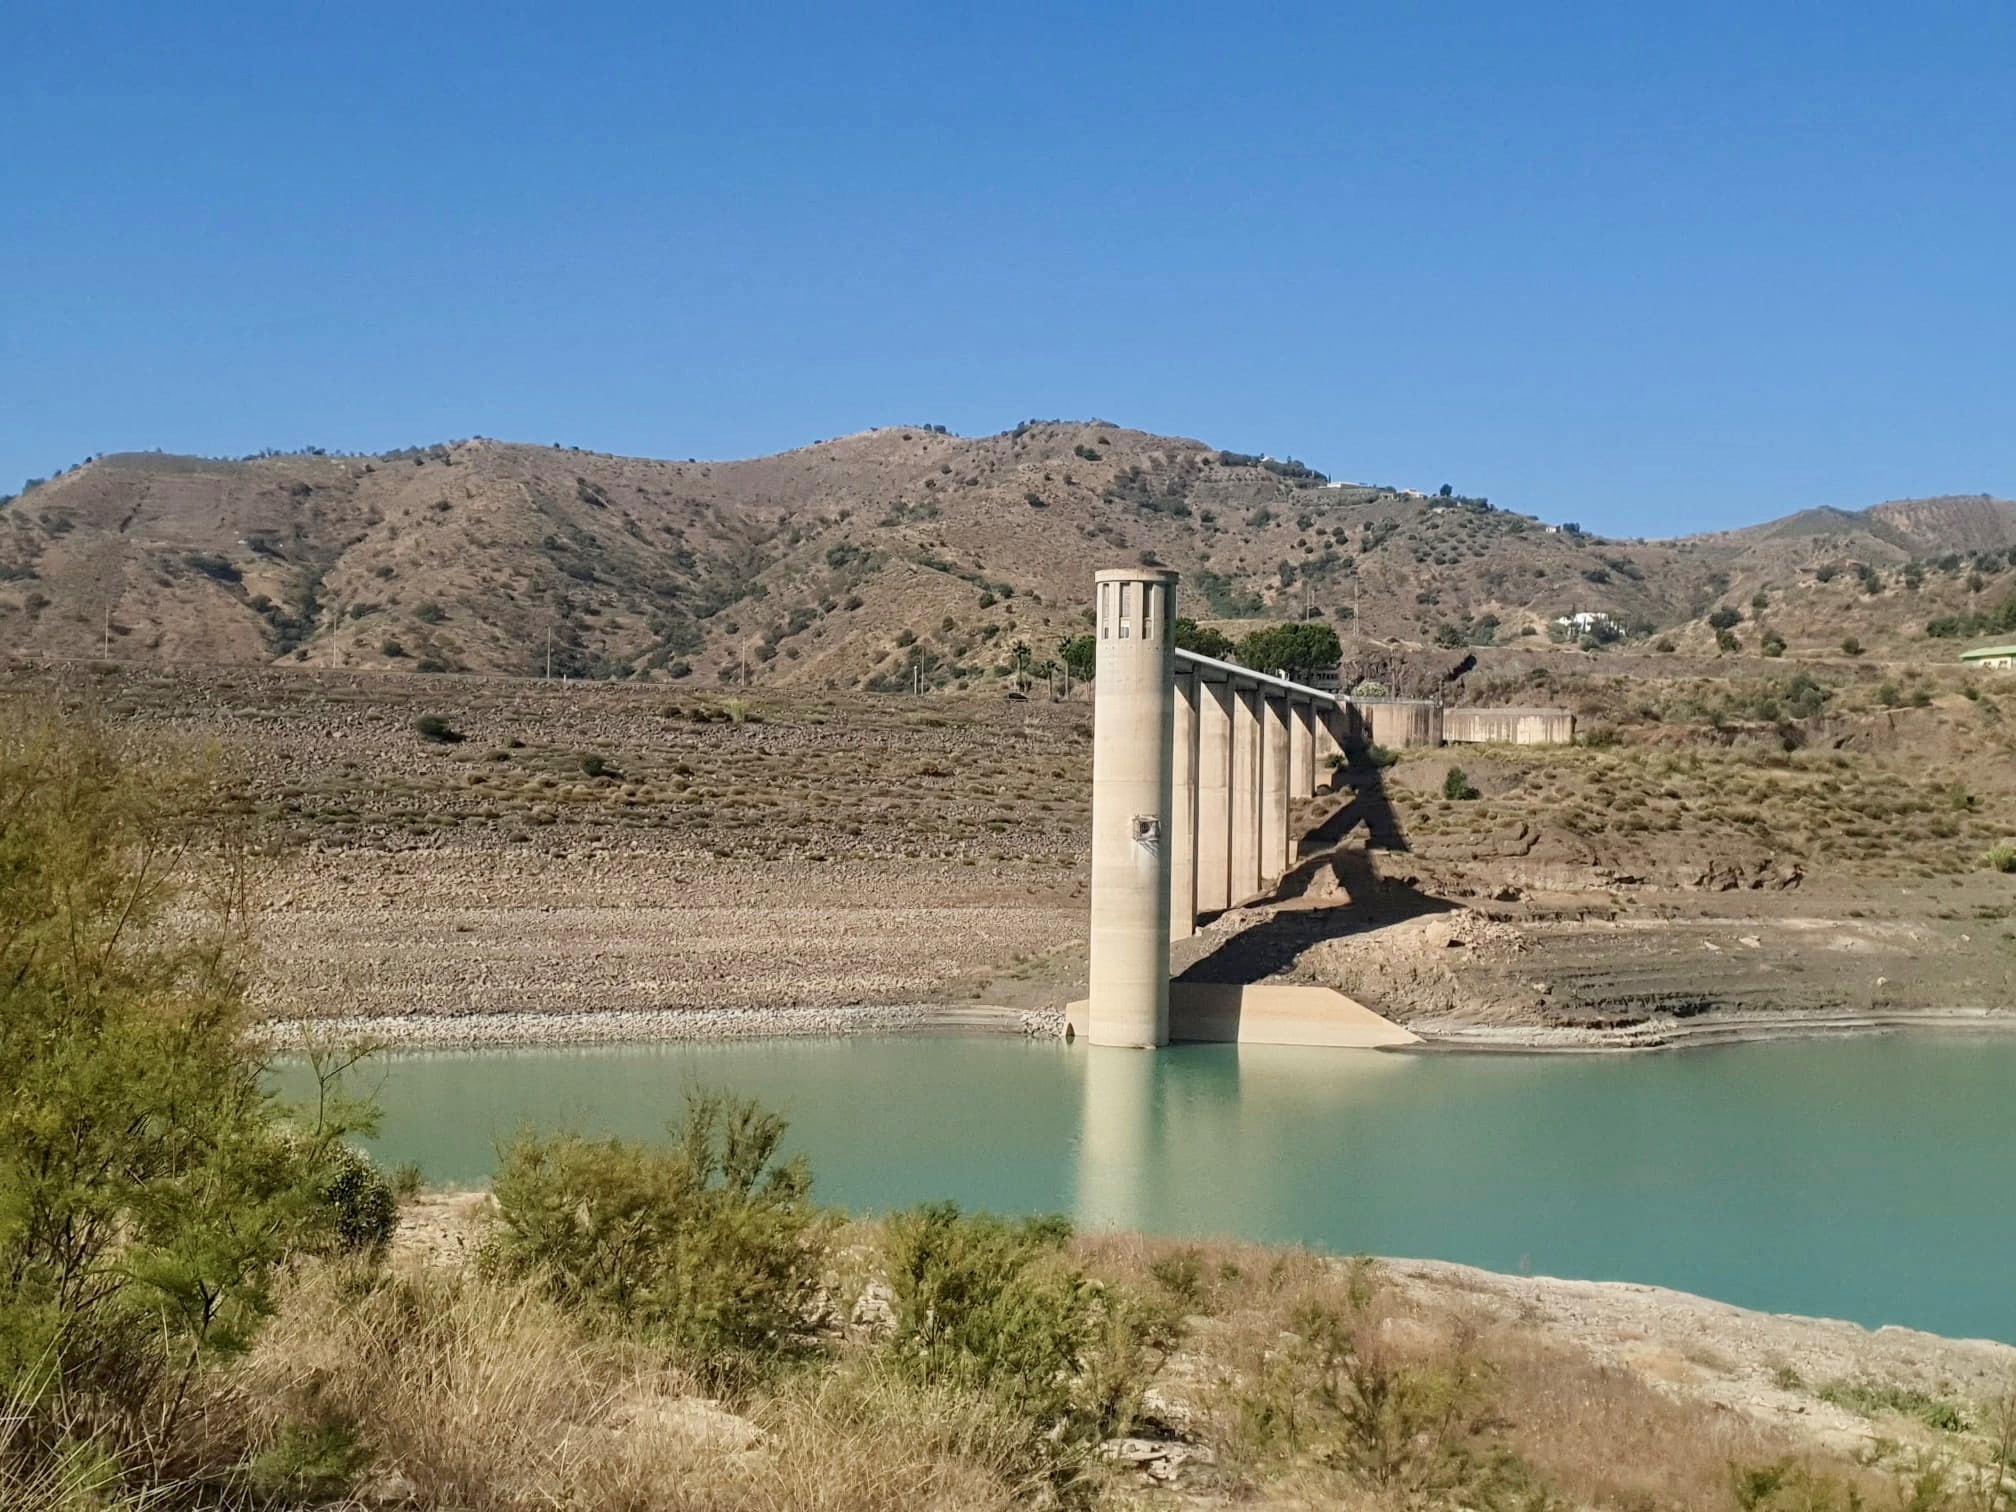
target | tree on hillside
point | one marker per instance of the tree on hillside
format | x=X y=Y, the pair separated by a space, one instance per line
x=1080 y=654
x=1190 y=636
x=1298 y=649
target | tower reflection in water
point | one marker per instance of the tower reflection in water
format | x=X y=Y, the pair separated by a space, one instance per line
x=1218 y=1139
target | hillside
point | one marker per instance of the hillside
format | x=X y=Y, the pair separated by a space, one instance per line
x=844 y=564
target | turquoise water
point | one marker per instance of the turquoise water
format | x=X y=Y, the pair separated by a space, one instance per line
x=1871 y=1179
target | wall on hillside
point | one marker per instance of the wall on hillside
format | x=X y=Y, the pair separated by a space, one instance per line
x=1508 y=726
x=1401 y=724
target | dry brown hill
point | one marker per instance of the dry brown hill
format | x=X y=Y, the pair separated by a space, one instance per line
x=847 y=563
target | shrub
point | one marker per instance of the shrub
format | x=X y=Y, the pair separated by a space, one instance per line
x=594 y=765
x=213 y=566
x=150 y=1188
x=1379 y=756
x=1335 y=1390
x=1664 y=645
x=1725 y=618
x=363 y=1209
x=1456 y=784
x=1773 y=644
x=1851 y=646
x=2001 y=857
x=433 y=727
x=995 y=1305
x=710 y=1242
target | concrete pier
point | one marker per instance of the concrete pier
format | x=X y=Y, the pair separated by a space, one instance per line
x=1245 y=826
x=1214 y=795
x=1330 y=732
x=1183 y=812
x=1301 y=750
x=1133 y=738
x=1274 y=721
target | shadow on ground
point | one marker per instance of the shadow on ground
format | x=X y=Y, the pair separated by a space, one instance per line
x=1345 y=843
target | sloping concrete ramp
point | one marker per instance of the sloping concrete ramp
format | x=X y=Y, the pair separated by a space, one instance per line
x=1267 y=1013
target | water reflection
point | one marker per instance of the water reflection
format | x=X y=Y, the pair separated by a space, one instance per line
x=1223 y=1138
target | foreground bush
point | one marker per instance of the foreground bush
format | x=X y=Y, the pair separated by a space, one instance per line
x=997 y=1307
x=149 y=1187
x=710 y=1243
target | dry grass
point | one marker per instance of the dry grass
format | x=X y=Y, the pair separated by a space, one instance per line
x=491 y=1397
x=1504 y=1414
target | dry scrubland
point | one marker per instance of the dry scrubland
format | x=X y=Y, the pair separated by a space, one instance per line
x=1801 y=847
x=1194 y=1375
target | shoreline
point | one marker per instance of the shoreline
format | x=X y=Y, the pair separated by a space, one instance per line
x=501 y=1031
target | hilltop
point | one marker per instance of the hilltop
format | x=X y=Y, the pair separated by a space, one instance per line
x=864 y=561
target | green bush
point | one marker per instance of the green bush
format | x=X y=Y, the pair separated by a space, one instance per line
x=2001 y=857
x=1456 y=784
x=1334 y=1392
x=710 y=1242
x=150 y=1188
x=432 y=727
x=1380 y=756
x=363 y=1209
x=992 y=1304
x=1851 y=646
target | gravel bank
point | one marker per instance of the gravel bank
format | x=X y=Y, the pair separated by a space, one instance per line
x=615 y=1026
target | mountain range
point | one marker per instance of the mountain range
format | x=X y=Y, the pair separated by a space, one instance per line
x=899 y=553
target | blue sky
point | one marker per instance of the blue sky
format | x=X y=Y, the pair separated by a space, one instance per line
x=1651 y=268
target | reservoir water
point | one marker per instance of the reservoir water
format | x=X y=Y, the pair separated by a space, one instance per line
x=1871 y=1179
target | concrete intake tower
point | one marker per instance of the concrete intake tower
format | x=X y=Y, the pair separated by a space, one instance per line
x=1134 y=710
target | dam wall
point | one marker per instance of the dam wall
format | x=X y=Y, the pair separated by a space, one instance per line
x=1401 y=724
x=1526 y=727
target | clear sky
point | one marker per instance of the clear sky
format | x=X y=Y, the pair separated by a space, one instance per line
x=1648 y=267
